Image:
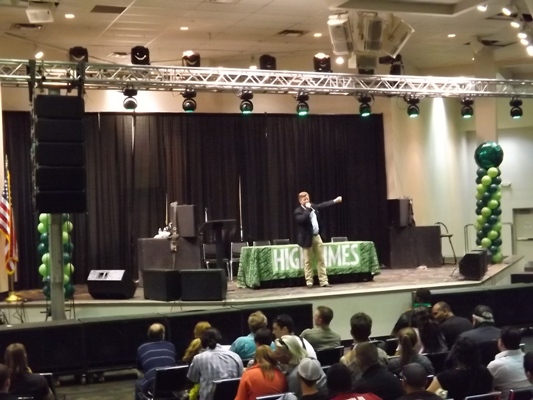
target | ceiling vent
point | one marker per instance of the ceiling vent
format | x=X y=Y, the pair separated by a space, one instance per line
x=291 y=33
x=40 y=13
x=26 y=27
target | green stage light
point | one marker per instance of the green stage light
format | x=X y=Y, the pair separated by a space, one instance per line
x=302 y=108
x=466 y=110
x=516 y=109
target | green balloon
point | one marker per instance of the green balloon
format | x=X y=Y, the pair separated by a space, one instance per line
x=486 y=212
x=488 y=154
x=493 y=204
x=486 y=243
x=493 y=172
x=42 y=228
x=67 y=226
x=492 y=235
x=478 y=226
x=43 y=271
x=486 y=180
x=497 y=258
x=68 y=269
x=44 y=218
x=66 y=237
x=481 y=219
x=46 y=258
x=66 y=279
x=496 y=196
x=480 y=188
x=497 y=226
x=479 y=196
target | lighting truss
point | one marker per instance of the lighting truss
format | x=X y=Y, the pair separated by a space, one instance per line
x=23 y=73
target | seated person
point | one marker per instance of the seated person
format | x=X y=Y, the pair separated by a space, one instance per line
x=309 y=373
x=408 y=353
x=213 y=363
x=414 y=381
x=157 y=353
x=244 y=346
x=451 y=326
x=262 y=337
x=284 y=325
x=339 y=381
x=430 y=337
x=195 y=346
x=528 y=365
x=263 y=378
x=4 y=384
x=23 y=383
x=422 y=299
x=321 y=336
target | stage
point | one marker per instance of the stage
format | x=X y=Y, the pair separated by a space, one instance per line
x=383 y=299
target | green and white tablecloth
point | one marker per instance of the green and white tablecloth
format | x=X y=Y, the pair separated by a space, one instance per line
x=266 y=263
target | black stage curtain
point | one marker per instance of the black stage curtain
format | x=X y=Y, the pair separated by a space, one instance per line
x=224 y=163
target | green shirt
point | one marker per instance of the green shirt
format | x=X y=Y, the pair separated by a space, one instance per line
x=321 y=338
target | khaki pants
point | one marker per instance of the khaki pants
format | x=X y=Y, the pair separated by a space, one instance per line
x=318 y=250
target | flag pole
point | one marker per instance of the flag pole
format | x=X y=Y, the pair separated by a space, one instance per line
x=12 y=296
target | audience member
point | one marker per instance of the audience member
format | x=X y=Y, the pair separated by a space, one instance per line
x=528 y=365
x=408 y=353
x=375 y=379
x=451 y=325
x=244 y=346
x=422 y=299
x=321 y=336
x=213 y=363
x=4 y=384
x=309 y=374
x=23 y=383
x=431 y=339
x=196 y=345
x=263 y=336
x=508 y=365
x=466 y=376
x=263 y=378
x=414 y=380
x=289 y=353
x=284 y=325
x=157 y=353
x=360 y=329
x=484 y=329
x=339 y=381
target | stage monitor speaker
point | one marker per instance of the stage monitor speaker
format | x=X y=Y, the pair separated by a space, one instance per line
x=203 y=284
x=110 y=284
x=162 y=285
x=473 y=266
x=398 y=212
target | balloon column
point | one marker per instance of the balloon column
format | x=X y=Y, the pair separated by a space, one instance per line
x=489 y=156
x=68 y=247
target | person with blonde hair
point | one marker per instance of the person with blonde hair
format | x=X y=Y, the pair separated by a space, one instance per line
x=408 y=353
x=263 y=378
x=23 y=382
x=244 y=346
x=196 y=344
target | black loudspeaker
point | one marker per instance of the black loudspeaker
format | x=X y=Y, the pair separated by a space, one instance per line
x=110 y=284
x=473 y=266
x=163 y=285
x=398 y=212
x=203 y=284
x=183 y=217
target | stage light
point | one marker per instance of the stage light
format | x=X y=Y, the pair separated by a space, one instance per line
x=466 y=110
x=190 y=59
x=507 y=10
x=189 y=104
x=140 y=55
x=516 y=23
x=396 y=64
x=412 y=109
x=321 y=63
x=364 y=109
x=302 y=108
x=78 y=54
x=267 y=62
x=130 y=102
x=246 y=96
x=516 y=109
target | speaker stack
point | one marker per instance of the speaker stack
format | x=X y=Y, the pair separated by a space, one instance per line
x=110 y=284
x=473 y=266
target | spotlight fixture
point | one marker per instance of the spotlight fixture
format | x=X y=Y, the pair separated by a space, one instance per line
x=364 y=109
x=321 y=63
x=507 y=10
x=190 y=59
x=267 y=62
x=140 y=55
x=189 y=104
x=302 y=108
x=246 y=106
x=516 y=109
x=412 y=109
x=78 y=54
x=130 y=102
x=466 y=110
x=516 y=23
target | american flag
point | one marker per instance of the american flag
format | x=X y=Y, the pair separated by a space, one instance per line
x=7 y=227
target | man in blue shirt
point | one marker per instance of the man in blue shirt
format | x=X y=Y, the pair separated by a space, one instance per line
x=157 y=353
x=244 y=346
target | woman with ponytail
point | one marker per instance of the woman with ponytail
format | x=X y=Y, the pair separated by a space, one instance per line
x=408 y=353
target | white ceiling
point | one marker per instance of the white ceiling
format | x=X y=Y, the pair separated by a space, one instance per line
x=224 y=29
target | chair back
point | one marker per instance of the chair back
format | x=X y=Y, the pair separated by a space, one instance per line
x=210 y=251
x=236 y=248
x=335 y=239
x=391 y=344
x=330 y=356
x=438 y=360
x=278 y=242
x=226 y=389
x=169 y=380
x=521 y=394
x=486 y=396
x=487 y=351
x=261 y=242
x=51 y=385
x=278 y=396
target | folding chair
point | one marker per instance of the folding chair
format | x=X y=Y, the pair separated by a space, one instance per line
x=226 y=389
x=168 y=383
x=330 y=356
x=486 y=396
x=261 y=243
x=278 y=242
x=236 y=249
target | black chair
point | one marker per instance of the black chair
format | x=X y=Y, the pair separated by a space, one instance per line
x=438 y=360
x=486 y=396
x=521 y=394
x=168 y=383
x=330 y=356
x=261 y=242
x=210 y=257
x=278 y=396
x=278 y=242
x=391 y=345
x=226 y=389
x=336 y=239
x=51 y=384
x=236 y=249
x=245 y=362
x=487 y=351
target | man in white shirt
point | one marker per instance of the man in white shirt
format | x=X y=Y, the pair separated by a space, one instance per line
x=508 y=365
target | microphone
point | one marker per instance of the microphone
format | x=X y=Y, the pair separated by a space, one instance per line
x=308 y=205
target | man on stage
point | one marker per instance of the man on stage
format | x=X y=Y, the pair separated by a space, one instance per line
x=309 y=237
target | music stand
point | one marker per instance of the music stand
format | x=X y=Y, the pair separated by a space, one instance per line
x=217 y=230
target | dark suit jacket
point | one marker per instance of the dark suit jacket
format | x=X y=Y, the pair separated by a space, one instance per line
x=303 y=222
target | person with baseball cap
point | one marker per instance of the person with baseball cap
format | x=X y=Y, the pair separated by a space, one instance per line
x=309 y=373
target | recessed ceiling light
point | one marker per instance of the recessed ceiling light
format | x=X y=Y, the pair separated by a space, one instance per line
x=69 y=16
x=516 y=24
x=473 y=58
x=184 y=28
x=339 y=60
x=451 y=35
x=39 y=55
x=482 y=7
x=318 y=34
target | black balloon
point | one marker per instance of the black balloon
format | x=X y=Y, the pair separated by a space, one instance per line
x=478 y=211
x=481 y=172
x=480 y=203
x=478 y=179
x=493 y=249
x=478 y=242
x=492 y=188
x=497 y=242
x=480 y=234
x=493 y=219
x=486 y=197
x=486 y=228
x=497 y=211
x=497 y=180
